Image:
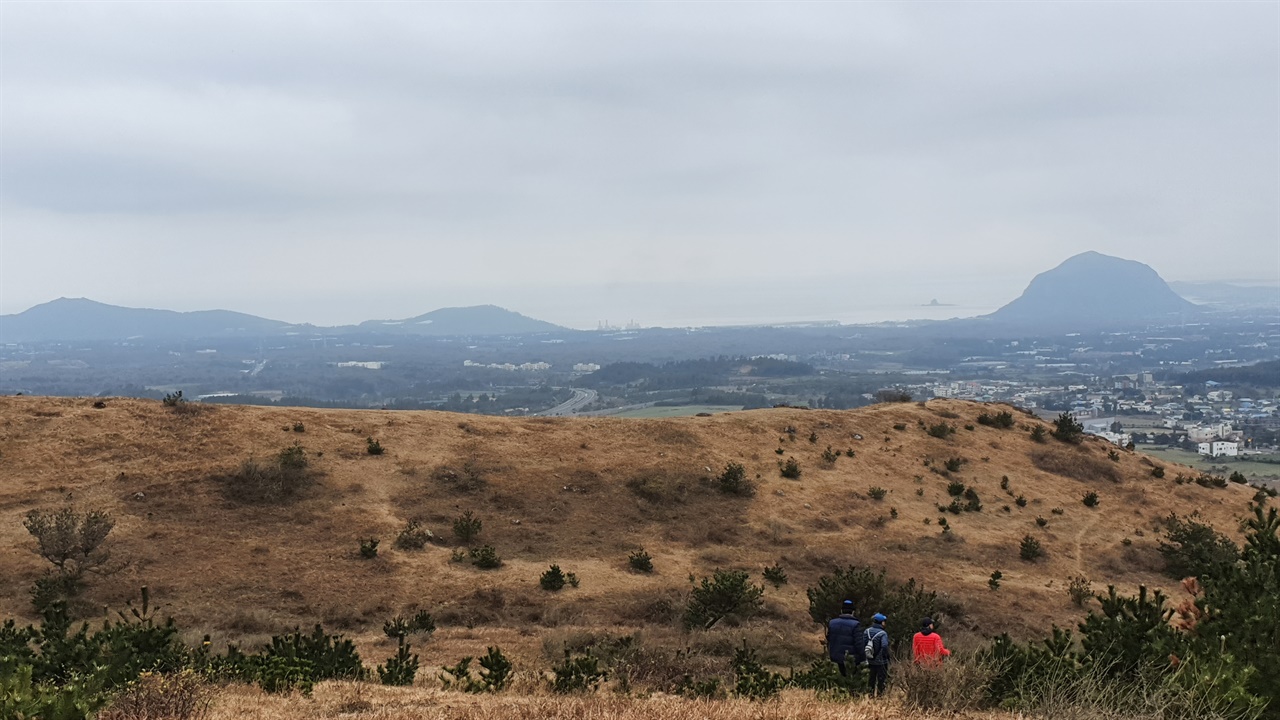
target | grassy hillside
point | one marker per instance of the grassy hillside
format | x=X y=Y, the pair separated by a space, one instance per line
x=582 y=493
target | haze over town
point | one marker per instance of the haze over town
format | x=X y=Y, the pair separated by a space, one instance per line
x=669 y=164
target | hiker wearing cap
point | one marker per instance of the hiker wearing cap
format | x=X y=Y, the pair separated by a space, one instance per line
x=927 y=647
x=877 y=652
x=845 y=639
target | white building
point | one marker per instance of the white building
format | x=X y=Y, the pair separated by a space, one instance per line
x=1219 y=448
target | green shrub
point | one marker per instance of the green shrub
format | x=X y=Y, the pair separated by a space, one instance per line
x=1191 y=548
x=1002 y=419
x=734 y=481
x=173 y=399
x=829 y=456
x=1067 y=429
x=640 y=561
x=994 y=581
x=1030 y=549
x=485 y=557
x=954 y=464
x=727 y=592
x=1113 y=456
x=791 y=469
x=775 y=575
x=552 y=579
x=413 y=536
x=877 y=493
x=494 y=675
x=466 y=527
x=369 y=548
x=1038 y=434
x=813 y=437
x=373 y=447
x=1090 y=499
x=399 y=626
x=751 y=679
x=299 y=427
x=281 y=480
x=1157 y=472
x=1020 y=501
x=1238 y=478
x=577 y=674
x=972 y=503
x=73 y=543
x=401 y=668
x=941 y=430
x=955 y=488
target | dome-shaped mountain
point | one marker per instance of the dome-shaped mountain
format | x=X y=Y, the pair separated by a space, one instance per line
x=1095 y=290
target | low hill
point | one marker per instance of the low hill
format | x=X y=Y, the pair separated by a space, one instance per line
x=1092 y=290
x=583 y=493
x=73 y=319
x=475 y=320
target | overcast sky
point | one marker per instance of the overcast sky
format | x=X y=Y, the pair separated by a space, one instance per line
x=672 y=163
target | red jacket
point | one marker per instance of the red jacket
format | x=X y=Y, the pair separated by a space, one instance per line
x=928 y=649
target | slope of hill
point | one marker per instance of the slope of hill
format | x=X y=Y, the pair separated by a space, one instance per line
x=82 y=319
x=1092 y=290
x=475 y=320
x=582 y=493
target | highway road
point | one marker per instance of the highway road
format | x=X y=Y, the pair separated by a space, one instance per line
x=580 y=399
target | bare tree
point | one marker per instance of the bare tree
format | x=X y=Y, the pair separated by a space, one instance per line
x=72 y=542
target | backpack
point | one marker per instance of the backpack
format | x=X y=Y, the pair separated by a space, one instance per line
x=874 y=642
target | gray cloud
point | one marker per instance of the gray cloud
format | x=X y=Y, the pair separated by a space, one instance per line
x=334 y=161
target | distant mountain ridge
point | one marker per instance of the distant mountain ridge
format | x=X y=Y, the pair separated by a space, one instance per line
x=80 y=319
x=474 y=320
x=1094 y=290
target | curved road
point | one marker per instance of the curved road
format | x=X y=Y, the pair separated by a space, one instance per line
x=580 y=399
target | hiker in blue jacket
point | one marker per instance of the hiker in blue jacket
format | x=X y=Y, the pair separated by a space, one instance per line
x=877 y=652
x=845 y=639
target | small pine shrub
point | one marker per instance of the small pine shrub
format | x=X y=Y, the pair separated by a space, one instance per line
x=1238 y=478
x=1041 y=521
x=485 y=557
x=1079 y=589
x=1002 y=420
x=401 y=668
x=1157 y=472
x=1004 y=482
x=552 y=579
x=751 y=679
x=640 y=561
x=849 y=453
x=1090 y=499
x=299 y=427
x=1057 y=511
x=1038 y=434
x=466 y=527
x=899 y=426
x=779 y=451
x=877 y=493
x=829 y=456
x=727 y=592
x=775 y=575
x=412 y=536
x=919 y=492
x=1030 y=549
x=369 y=548
x=373 y=447
x=577 y=674
x=495 y=673
x=1020 y=501
x=1067 y=429
x=955 y=488
x=174 y=399
x=972 y=503
x=941 y=430
x=733 y=481
x=994 y=581
x=399 y=626
x=1113 y=456
x=893 y=513
x=791 y=469
x=813 y=437
x=954 y=464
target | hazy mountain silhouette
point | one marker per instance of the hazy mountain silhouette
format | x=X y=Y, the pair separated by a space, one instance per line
x=78 y=319
x=475 y=320
x=1094 y=290
x=74 y=319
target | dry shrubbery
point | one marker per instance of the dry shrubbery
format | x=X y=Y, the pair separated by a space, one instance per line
x=270 y=482
x=956 y=685
x=1075 y=464
x=156 y=696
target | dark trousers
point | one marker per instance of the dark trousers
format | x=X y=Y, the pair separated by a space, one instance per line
x=879 y=676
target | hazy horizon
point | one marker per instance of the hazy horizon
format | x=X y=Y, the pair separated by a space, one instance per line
x=687 y=164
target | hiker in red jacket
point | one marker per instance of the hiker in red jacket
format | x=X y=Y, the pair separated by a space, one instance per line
x=927 y=645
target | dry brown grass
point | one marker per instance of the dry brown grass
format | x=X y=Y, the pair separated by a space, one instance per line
x=377 y=703
x=580 y=492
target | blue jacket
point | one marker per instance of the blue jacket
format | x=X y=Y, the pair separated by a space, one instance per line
x=845 y=636
x=877 y=648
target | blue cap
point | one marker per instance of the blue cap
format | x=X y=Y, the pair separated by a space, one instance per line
x=847 y=605
x=879 y=618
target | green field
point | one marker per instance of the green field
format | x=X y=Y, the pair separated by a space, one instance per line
x=676 y=411
x=1250 y=469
